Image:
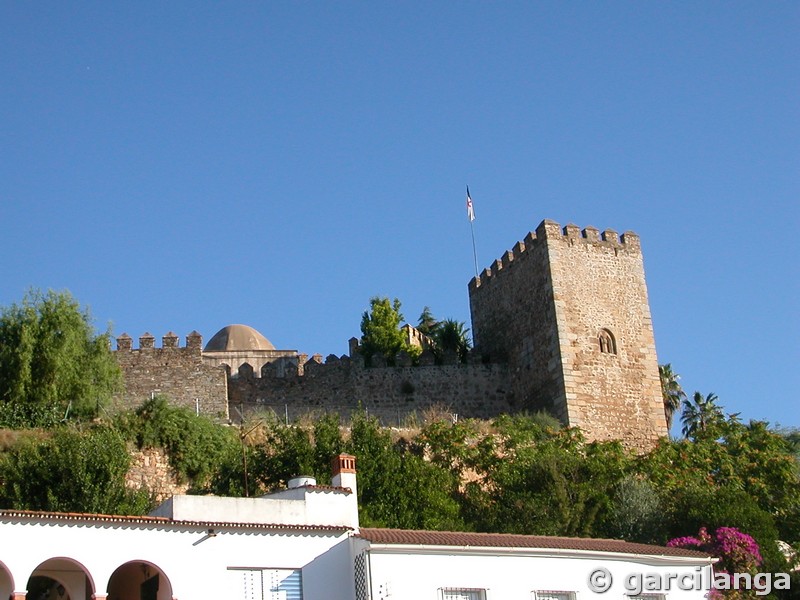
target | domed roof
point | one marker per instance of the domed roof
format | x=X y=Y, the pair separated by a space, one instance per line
x=238 y=338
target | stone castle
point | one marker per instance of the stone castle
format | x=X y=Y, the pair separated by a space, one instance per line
x=561 y=322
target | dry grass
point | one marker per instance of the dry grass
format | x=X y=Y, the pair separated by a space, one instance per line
x=9 y=437
x=437 y=412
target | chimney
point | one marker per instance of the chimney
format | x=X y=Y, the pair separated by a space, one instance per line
x=344 y=472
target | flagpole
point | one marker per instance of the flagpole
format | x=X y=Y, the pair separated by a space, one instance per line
x=471 y=217
x=474 y=251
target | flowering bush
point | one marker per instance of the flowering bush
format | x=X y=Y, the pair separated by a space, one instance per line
x=737 y=552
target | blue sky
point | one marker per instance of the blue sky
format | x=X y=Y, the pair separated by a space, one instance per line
x=183 y=166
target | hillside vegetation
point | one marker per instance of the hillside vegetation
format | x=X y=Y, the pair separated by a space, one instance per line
x=518 y=474
x=523 y=474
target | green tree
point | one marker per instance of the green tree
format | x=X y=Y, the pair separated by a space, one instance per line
x=70 y=471
x=52 y=361
x=228 y=479
x=792 y=437
x=328 y=443
x=729 y=474
x=637 y=513
x=289 y=451
x=700 y=415
x=380 y=330
x=427 y=323
x=671 y=392
x=537 y=480
x=398 y=488
x=714 y=507
x=194 y=443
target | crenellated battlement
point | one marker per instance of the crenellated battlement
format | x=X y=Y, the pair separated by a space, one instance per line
x=176 y=372
x=147 y=341
x=550 y=230
x=315 y=366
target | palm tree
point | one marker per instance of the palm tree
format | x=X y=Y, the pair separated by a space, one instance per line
x=700 y=414
x=452 y=335
x=671 y=392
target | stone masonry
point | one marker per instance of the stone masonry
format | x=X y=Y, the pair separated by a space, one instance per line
x=567 y=311
x=392 y=394
x=177 y=373
x=560 y=322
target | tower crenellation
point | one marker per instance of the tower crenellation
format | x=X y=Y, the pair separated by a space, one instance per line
x=147 y=341
x=124 y=342
x=570 y=317
x=170 y=340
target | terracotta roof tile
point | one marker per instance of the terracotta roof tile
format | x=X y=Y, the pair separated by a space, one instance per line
x=507 y=540
x=329 y=488
x=148 y=520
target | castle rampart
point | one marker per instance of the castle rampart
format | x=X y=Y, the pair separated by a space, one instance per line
x=178 y=373
x=560 y=322
x=343 y=385
x=567 y=310
x=301 y=385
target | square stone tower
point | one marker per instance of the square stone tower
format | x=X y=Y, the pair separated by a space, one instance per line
x=567 y=310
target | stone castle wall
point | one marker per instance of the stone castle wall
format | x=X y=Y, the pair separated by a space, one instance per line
x=548 y=303
x=178 y=373
x=340 y=385
x=513 y=322
x=560 y=322
x=614 y=394
x=393 y=394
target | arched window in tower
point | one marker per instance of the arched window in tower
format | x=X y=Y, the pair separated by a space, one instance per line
x=608 y=345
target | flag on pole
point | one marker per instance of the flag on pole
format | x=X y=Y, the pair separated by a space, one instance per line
x=470 y=209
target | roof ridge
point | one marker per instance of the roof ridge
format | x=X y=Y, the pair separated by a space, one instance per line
x=147 y=519
x=518 y=540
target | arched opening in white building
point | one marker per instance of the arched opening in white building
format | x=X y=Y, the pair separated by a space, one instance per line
x=60 y=579
x=6 y=582
x=139 y=580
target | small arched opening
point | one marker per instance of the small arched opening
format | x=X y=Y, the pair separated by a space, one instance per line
x=139 y=580
x=608 y=344
x=6 y=581
x=60 y=579
x=246 y=370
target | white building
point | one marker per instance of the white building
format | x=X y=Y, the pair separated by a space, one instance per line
x=393 y=563
x=305 y=543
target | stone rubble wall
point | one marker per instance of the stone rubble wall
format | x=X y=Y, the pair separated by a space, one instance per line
x=150 y=470
x=393 y=394
x=178 y=373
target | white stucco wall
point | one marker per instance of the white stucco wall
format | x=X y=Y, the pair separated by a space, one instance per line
x=196 y=565
x=299 y=506
x=511 y=574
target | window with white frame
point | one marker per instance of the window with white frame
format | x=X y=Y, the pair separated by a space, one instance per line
x=267 y=584
x=463 y=594
x=553 y=595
